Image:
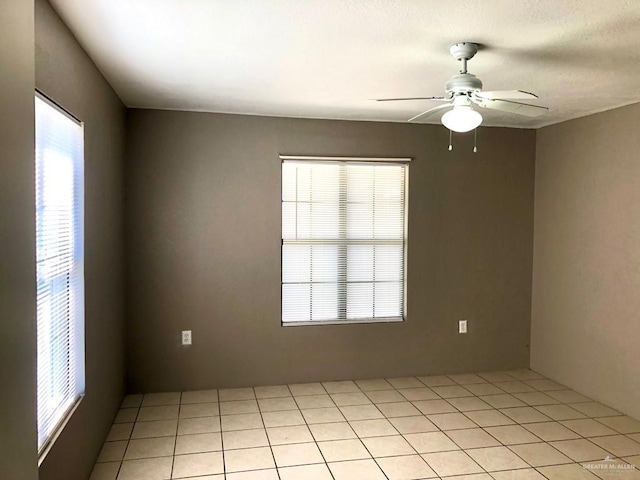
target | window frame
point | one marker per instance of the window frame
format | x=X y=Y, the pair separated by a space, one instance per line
x=77 y=341
x=405 y=240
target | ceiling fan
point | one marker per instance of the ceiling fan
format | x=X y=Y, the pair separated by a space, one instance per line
x=464 y=90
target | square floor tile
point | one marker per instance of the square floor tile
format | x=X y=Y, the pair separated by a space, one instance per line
x=521 y=474
x=199 y=443
x=504 y=400
x=126 y=415
x=189 y=426
x=361 y=412
x=346 y=399
x=512 y=435
x=409 y=467
x=282 y=419
x=307 y=389
x=297 y=454
x=150 y=447
x=540 y=454
x=267 y=474
x=146 y=469
x=197 y=464
x=484 y=389
x=112 y=451
x=157 y=399
x=385 y=396
x=525 y=415
x=199 y=396
x=121 y=431
x=340 y=450
x=373 y=385
x=496 y=458
x=201 y=410
x=239 y=406
x=619 y=445
x=430 y=442
x=356 y=470
x=306 y=472
x=447 y=464
x=472 y=438
x=417 y=424
x=248 y=459
x=275 y=391
x=436 y=381
x=314 y=401
x=288 y=435
x=373 y=428
x=494 y=377
x=588 y=427
x=405 y=382
x=594 y=409
x=525 y=374
x=154 y=428
x=398 y=409
x=612 y=468
x=277 y=404
x=621 y=424
x=560 y=412
x=467 y=378
x=346 y=386
x=105 y=471
x=535 y=398
x=489 y=418
x=567 y=472
x=323 y=432
x=428 y=407
x=515 y=387
x=388 y=446
x=422 y=393
x=245 y=421
x=544 y=385
x=231 y=394
x=452 y=391
x=167 y=412
x=132 y=401
x=322 y=415
x=451 y=421
x=568 y=396
x=580 y=450
x=635 y=460
x=551 y=431
x=467 y=404
x=235 y=439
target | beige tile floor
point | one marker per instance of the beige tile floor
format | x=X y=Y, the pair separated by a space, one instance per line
x=513 y=425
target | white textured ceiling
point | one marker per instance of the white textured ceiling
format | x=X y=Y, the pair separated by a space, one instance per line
x=327 y=58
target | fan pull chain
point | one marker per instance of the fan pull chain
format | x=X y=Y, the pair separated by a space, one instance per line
x=450 y=135
x=475 y=138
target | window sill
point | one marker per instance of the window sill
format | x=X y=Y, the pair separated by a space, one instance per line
x=63 y=423
x=342 y=322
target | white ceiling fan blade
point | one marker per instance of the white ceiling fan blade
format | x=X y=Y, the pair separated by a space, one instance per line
x=430 y=111
x=512 y=107
x=507 y=95
x=410 y=98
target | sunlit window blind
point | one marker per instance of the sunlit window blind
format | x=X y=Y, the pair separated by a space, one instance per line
x=59 y=266
x=343 y=241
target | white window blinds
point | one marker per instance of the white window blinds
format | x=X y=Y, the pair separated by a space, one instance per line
x=59 y=266
x=343 y=241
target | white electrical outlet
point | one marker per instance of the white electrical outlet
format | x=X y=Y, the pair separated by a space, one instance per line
x=186 y=337
x=462 y=326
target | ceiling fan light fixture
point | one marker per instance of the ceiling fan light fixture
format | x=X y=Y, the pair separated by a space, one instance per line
x=461 y=119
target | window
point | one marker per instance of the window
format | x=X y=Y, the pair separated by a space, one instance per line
x=59 y=266
x=344 y=240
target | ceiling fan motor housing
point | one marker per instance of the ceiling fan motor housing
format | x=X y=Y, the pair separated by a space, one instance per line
x=463 y=83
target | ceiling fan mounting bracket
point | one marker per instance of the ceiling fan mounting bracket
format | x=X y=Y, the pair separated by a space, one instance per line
x=463 y=50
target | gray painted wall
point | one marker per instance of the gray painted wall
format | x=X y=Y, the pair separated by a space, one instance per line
x=585 y=328
x=18 y=443
x=203 y=252
x=66 y=74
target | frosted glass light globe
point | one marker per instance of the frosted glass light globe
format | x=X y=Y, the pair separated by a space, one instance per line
x=462 y=118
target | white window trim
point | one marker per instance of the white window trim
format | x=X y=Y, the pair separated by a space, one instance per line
x=331 y=159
